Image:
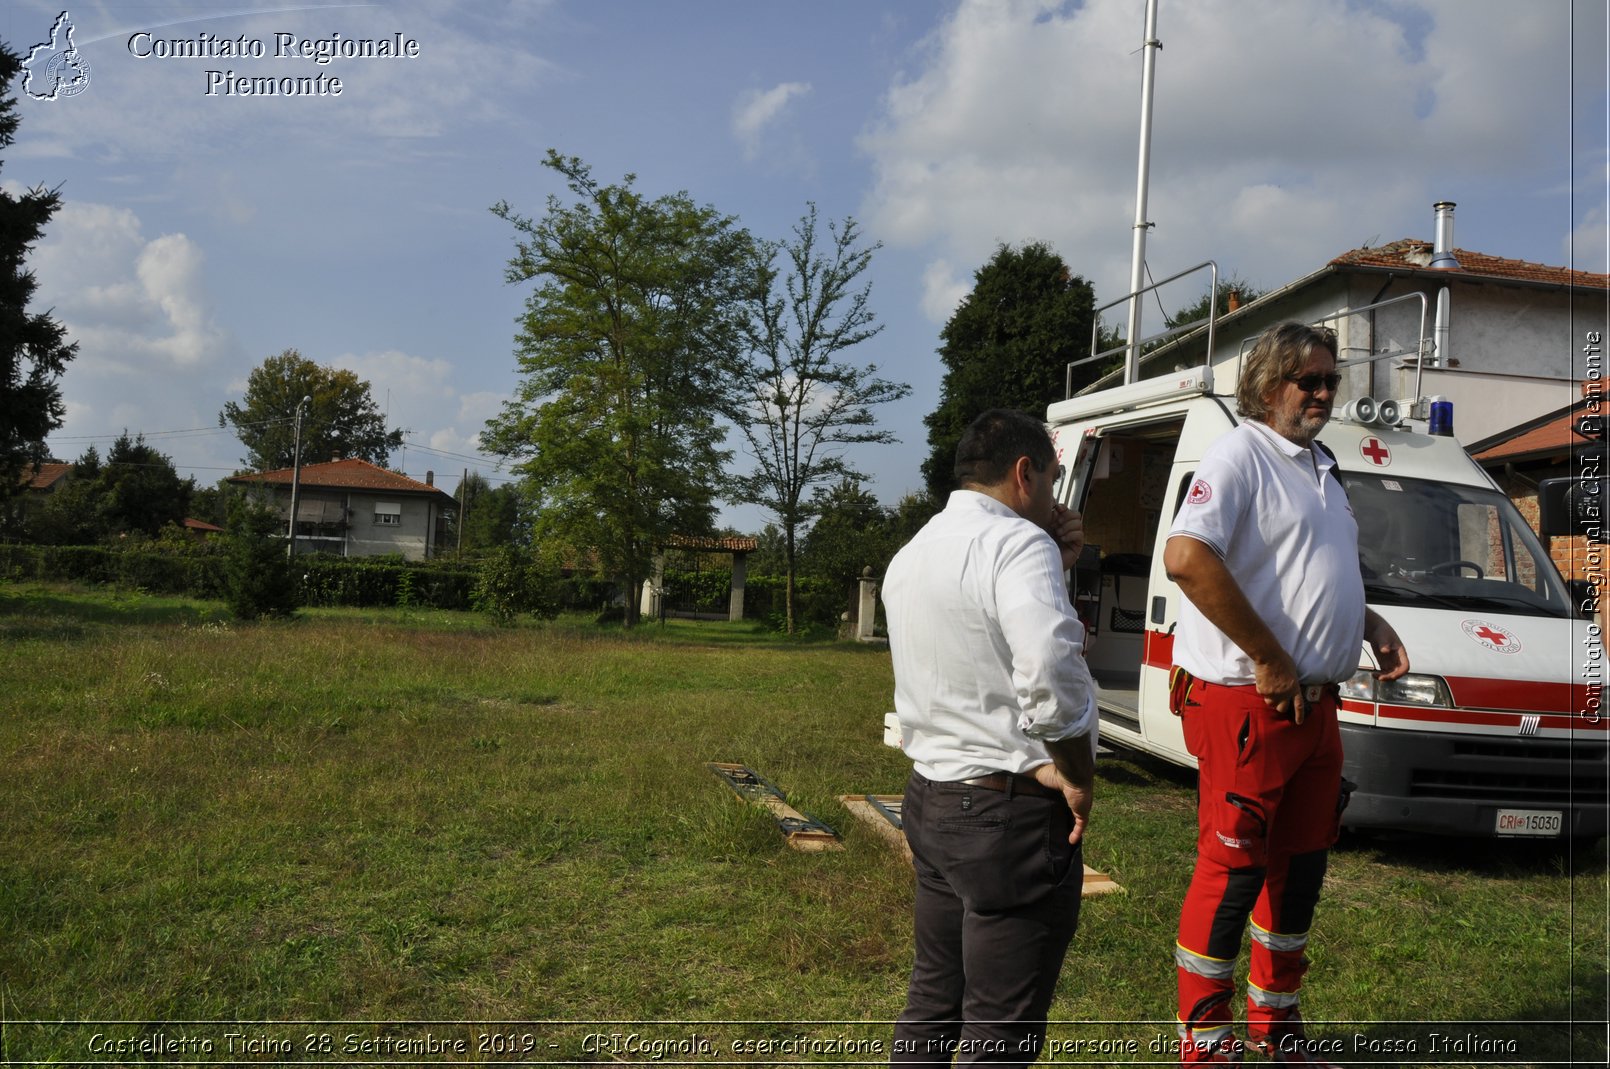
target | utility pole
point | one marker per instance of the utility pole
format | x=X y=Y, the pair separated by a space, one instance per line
x=463 y=508
x=296 y=476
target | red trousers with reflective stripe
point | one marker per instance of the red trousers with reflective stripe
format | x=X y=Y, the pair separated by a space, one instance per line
x=1268 y=810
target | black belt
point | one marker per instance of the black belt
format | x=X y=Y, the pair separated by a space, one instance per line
x=1013 y=783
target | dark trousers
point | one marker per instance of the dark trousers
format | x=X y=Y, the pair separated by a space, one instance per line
x=998 y=890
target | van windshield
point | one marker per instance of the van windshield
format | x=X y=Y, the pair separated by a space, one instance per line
x=1443 y=545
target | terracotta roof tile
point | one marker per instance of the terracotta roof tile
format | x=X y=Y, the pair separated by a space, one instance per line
x=349 y=474
x=726 y=543
x=1412 y=254
x=1555 y=436
x=44 y=476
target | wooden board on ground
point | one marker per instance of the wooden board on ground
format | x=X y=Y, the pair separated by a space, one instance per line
x=800 y=830
x=881 y=813
x=871 y=810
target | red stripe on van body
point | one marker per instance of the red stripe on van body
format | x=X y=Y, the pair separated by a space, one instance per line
x=1524 y=696
x=1427 y=714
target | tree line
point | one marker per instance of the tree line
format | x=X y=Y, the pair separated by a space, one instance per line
x=657 y=331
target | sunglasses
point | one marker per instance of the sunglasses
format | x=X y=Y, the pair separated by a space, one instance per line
x=1311 y=383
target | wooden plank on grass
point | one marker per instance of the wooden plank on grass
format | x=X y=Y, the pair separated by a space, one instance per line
x=800 y=830
x=872 y=810
x=876 y=811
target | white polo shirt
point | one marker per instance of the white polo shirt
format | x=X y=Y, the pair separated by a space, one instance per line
x=1283 y=527
x=988 y=654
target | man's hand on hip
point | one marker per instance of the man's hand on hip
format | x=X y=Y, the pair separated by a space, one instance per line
x=1279 y=686
x=1079 y=798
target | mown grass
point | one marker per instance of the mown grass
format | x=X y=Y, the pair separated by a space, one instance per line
x=410 y=816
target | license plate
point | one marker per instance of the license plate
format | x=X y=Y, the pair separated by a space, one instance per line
x=1531 y=823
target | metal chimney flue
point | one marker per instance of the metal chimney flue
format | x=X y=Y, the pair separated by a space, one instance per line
x=1442 y=257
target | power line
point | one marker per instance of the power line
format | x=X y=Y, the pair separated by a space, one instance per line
x=190 y=431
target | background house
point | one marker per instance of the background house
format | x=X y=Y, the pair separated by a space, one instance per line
x=352 y=508
x=38 y=482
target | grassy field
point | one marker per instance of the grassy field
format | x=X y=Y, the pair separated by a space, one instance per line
x=415 y=837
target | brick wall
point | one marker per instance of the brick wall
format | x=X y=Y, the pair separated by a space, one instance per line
x=1575 y=556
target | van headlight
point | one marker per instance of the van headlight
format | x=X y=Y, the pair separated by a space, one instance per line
x=1411 y=689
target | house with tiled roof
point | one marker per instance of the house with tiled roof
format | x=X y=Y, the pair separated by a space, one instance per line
x=352 y=508
x=37 y=482
x=1501 y=338
x=45 y=478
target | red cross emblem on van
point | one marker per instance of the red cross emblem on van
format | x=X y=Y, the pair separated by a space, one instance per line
x=1375 y=451
x=1494 y=637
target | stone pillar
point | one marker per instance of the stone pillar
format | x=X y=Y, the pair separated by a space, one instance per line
x=867 y=613
x=735 y=603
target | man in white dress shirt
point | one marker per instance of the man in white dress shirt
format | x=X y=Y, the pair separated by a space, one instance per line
x=997 y=712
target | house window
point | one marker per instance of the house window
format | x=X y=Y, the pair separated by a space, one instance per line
x=388 y=514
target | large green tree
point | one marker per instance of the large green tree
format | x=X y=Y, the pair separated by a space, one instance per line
x=1008 y=345
x=34 y=350
x=143 y=491
x=627 y=352
x=798 y=406
x=341 y=418
x=136 y=489
x=852 y=532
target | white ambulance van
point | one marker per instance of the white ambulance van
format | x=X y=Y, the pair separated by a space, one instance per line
x=1496 y=731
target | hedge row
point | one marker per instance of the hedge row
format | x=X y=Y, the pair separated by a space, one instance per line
x=198 y=571
x=324 y=581
x=199 y=574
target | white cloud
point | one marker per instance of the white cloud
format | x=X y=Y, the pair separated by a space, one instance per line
x=150 y=353
x=169 y=270
x=942 y=290
x=758 y=109
x=132 y=304
x=1284 y=134
x=417 y=394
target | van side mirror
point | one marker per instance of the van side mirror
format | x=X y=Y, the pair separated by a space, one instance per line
x=1572 y=506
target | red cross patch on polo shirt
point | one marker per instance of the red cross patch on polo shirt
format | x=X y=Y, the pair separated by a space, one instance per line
x=1201 y=493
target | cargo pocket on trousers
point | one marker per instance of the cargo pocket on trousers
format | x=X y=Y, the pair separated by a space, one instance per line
x=1238 y=834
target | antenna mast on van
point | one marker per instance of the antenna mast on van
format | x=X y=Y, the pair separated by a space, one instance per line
x=1137 y=272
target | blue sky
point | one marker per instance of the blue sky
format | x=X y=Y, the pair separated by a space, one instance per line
x=202 y=233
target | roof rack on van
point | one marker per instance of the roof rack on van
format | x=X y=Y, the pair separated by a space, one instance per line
x=1132 y=360
x=1418 y=352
